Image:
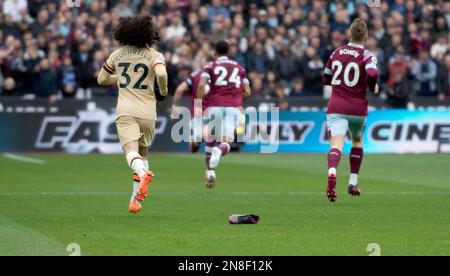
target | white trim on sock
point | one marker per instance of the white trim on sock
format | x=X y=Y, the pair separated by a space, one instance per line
x=210 y=173
x=136 y=162
x=353 y=179
x=332 y=172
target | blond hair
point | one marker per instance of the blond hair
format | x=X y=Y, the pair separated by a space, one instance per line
x=358 y=30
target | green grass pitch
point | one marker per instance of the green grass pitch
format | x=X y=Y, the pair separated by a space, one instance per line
x=405 y=206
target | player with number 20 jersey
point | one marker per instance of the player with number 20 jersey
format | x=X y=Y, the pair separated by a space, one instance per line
x=350 y=70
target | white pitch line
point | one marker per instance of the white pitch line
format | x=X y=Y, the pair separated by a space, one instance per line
x=220 y=193
x=24 y=159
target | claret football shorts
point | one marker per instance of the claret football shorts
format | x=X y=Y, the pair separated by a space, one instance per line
x=132 y=129
x=340 y=124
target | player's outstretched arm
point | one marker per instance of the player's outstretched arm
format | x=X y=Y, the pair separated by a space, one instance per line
x=106 y=78
x=247 y=91
x=202 y=87
x=183 y=87
x=161 y=78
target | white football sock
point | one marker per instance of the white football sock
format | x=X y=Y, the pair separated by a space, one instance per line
x=210 y=173
x=146 y=165
x=136 y=162
x=353 y=179
x=135 y=189
x=332 y=171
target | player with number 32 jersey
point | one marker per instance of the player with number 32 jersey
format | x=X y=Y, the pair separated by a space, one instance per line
x=135 y=68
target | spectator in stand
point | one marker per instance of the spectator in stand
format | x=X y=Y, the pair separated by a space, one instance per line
x=424 y=71
x=283 y=102
x=440 y=47
x=312 y=68
x=67 y=76
x=398 y=67
x=287 y=65
x=6 y=54
x=122 y=9
x=176 y=29
x=398 y=90
x=297 y=90
x=45 y=81
x=417 y=41
x=444 y=79
x=217 y=8
x=9 y=88
x=258 y=61
x=83 y=60
x=204 y=21
x=270 y=89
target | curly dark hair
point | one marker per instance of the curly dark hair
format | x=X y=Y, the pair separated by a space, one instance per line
x=136 y=31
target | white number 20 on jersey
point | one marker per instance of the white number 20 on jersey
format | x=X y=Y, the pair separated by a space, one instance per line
x=337 y=68
x=222 y=74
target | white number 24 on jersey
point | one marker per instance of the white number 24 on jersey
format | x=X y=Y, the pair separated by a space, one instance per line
x=337 y=68
x=222 y=74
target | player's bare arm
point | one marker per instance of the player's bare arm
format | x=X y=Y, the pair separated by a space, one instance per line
x=202 y=87
x=247 y=90
x=181 y=89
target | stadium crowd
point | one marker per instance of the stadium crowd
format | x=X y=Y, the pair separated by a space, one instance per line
x=49 y=48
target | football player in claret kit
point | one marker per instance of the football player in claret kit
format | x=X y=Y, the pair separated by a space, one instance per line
x=350 y=70
x=134 y=68
x=228 y=86
x=190 y=86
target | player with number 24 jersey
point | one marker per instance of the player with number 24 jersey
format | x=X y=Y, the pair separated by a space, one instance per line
x=228 y=86
x=227 y=82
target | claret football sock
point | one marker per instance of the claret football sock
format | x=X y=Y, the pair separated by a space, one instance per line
x=356 y=158
x=334 y=157
x=225 y=148
x=136 y=162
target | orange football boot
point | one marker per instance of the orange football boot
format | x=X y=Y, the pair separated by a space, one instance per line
x=144 y=185
x=135 y=206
